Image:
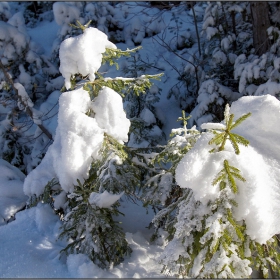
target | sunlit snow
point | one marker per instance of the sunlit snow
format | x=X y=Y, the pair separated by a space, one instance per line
x=30 y=244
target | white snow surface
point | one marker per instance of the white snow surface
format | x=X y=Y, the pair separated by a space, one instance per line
x=83 y=54
x=78 y=138
x=148 y=116
x=13 y=42
x=12 y=198
x=109 y=114
x=65 y=13
x=25 y=99
x=104 y=200
x=30 y=249
x=29 y=246
x=49 y=31
x=259 y=197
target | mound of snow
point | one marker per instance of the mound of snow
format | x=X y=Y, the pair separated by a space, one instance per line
x=259 y=197
x=30 y=246
x=12 y=198
x=83 y=54
x=78 y=138
x=109 y=114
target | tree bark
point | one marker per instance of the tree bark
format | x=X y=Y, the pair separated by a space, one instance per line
x=261 y=22
x=196 y=28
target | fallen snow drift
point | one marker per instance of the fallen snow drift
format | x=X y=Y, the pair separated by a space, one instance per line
x=12 y=198
x=30 y=249
x=259 y=197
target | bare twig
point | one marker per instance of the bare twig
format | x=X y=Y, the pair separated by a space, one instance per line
x=196 y=28
x=28 y=110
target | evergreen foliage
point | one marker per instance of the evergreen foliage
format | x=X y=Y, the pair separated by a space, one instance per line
x=51 y=190
x=122 y=85
x=215 y=68
x=161 y=190
x=90 y=228
x=235 y=139
x=207 y=241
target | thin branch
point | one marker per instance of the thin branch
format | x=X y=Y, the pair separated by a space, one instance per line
x=28 y=110
x=196 y=28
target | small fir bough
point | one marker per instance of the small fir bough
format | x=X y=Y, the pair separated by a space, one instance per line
x=226 y=134
x=161 y=190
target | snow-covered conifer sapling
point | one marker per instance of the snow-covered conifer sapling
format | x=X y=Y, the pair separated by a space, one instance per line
x=87 y=168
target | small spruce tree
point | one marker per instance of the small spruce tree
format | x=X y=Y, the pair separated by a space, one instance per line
x=207 y=241
x=88 y=210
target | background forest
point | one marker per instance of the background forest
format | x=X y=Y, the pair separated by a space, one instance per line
x=139 y=139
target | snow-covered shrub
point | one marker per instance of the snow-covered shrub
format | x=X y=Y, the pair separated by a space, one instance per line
x=183 y=46
x=220 y=228
x=191 y=76
x=66 y=14
x=213 y=72
x=87 y=168
x=34 y=12
x=5 y=11
x=260 y=75
x=145 y=124
x=104 y=16
x=226 y=31
x=135 y=22
x=161 y=189
x=20 y=64
x=12 y=150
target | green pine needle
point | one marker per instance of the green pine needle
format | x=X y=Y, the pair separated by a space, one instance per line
x=240 y=120
x=222 y=135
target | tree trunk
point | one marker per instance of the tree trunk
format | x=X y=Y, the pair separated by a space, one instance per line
x=260 y=19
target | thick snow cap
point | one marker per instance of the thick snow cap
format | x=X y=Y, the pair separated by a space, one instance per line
x=83 y=54
x=259 y=197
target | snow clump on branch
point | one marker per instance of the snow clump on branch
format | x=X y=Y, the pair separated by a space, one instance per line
x=82 y=54
x=79 y=136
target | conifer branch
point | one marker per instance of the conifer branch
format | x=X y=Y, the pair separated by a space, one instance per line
x=229 y=173
x=110 y=55
x=122 y=85
x=80 y=26
x=225 y=134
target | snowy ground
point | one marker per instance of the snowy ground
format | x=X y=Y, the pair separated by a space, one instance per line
x=30 y=249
